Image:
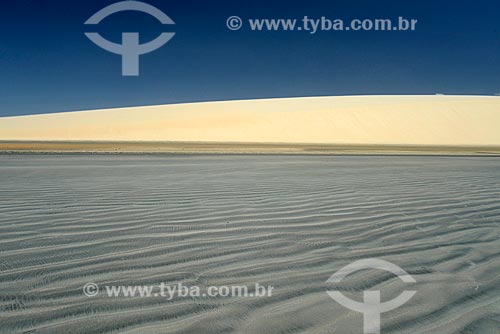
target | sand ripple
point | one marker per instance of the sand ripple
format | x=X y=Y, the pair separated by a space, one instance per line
x=289 y=222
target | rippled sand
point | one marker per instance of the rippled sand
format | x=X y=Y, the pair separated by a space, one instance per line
x=289 y=222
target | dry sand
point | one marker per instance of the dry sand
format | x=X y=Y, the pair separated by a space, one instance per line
x=116 y=147
x=290 y=222
x=356 y=121
x=285 y=221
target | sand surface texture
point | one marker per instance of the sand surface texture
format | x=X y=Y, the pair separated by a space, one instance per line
x=285 y=221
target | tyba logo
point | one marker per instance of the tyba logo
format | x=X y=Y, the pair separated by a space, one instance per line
x=130 y=49
x=371 y=307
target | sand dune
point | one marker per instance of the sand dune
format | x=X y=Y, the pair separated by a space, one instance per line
x=289 y=222
x=357 y=120
x=285 y=221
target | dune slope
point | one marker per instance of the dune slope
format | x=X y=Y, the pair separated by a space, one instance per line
x=356 y=120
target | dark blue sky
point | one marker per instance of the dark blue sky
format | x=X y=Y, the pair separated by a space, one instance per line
x=48 y=65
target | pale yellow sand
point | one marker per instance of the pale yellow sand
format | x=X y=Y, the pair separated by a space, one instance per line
x=356 y=120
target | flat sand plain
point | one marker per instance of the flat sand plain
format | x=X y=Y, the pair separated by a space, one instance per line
x=103 y=147
x=285 y=221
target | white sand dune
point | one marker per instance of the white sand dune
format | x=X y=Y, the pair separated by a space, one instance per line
x=363 y=120
x=289 y=222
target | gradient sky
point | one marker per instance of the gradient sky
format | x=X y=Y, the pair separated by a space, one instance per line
x=48 y=65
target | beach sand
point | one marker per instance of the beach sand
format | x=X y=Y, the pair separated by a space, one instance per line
x=275 y=192
x=285 y=221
